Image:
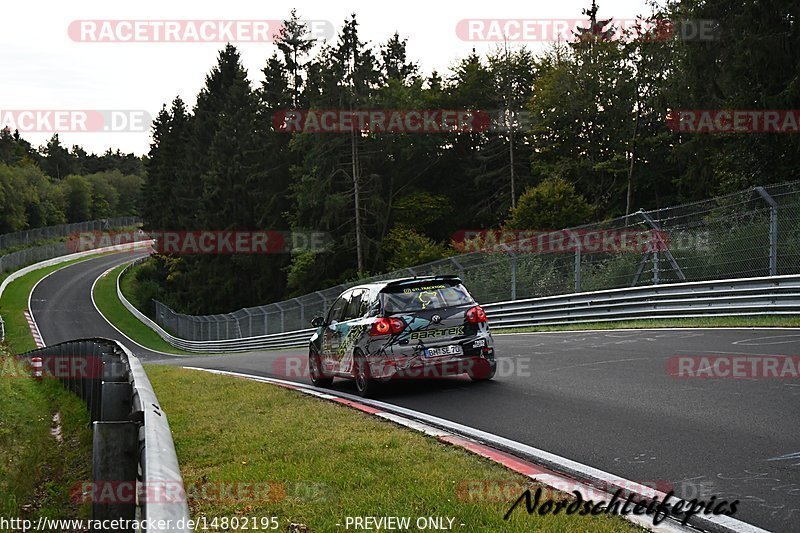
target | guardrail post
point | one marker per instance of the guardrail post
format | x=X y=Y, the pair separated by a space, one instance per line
x=115 y=403
x=114 y=461
x=773 y=230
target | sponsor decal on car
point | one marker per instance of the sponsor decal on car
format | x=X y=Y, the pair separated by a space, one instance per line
x=350 y=339
x=433 y=333
x=426 y=288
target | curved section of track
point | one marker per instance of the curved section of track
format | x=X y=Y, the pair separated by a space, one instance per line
x=603 y=399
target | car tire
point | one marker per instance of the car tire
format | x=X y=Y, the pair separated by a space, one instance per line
x=482 y=370
x=318 y=377
x=365 y=385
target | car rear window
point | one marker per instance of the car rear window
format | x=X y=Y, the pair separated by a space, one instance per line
x=423 y=296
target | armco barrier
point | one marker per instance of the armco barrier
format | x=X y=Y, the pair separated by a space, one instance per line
x=132 y=441
x=279 y=340
x=775 y=295
x=772 y=295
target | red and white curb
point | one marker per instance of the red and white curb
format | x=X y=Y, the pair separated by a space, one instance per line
x=37 y=336
x=474 y=440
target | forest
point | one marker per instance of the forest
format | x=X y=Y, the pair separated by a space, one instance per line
x=54 y=185
x=585 y=137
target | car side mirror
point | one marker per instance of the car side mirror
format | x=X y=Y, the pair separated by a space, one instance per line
x=317 y=321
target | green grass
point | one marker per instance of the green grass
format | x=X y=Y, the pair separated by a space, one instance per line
x=774 y=321
x=14 y=302
x=325 y=461
x=36 y=471
x=105 y=296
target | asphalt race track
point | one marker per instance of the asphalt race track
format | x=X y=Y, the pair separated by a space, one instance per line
x=603 y=399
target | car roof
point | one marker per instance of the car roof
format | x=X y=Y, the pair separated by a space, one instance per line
x=380 y=285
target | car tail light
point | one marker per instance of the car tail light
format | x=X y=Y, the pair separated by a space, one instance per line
x=476 y=315
x=387 y=326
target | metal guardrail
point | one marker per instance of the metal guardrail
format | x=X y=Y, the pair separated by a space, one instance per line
x=772 y=295
x=132 y=442
x=279 y=340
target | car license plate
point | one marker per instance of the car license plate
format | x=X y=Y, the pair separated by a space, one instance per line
x=453 y=349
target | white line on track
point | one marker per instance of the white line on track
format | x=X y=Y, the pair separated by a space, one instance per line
x=91 y=292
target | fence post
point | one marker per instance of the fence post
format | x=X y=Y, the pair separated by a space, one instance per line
x=283 y=324
x=667 y=253
x=324 y=303
x=656 y=277
x=302 y=312
x=513 y=276
x=578 y=267
x=458 y=266
x=773 y=230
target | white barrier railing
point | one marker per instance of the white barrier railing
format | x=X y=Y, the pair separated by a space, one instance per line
x=773 y=295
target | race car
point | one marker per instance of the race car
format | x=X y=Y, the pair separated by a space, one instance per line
x=419 y=327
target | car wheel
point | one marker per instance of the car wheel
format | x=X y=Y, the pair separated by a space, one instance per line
x=481 y=370
x=318 y=377
x=365 y=385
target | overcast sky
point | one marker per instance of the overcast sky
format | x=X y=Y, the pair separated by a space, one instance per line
x=44 y=68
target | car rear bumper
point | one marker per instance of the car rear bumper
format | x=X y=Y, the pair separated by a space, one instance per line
x=419 y=367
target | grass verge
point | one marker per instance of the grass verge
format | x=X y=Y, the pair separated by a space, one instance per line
x=707 y=322
x=37 y=470
x=105 y=296
x=14 y=302
x=325 y=462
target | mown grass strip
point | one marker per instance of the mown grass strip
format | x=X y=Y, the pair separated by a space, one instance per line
x=325 y=462
x=106 y=299
x=14 y=302
x=37 y=471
